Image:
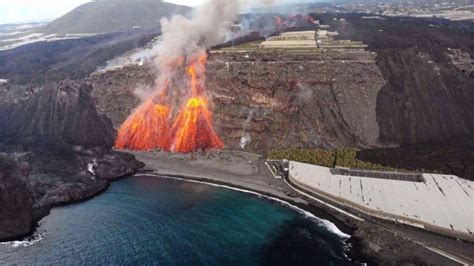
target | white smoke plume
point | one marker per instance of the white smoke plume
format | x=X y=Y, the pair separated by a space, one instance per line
x=246 y=139
x=186 y=38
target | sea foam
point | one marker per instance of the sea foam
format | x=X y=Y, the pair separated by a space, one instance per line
x=35 y=238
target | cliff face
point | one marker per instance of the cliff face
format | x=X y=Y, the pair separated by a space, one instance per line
x=428 y=64
x=115 y=91
x=413 y=85
x=295 y=99
x=424 y=100
x=33 y=180
x=268 y=100
x=63 y=112
x=16 y=200
x=55 y=150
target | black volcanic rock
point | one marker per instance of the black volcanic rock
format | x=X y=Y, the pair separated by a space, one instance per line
x=106 y=16
x=63 y=113
x=35 y=179
x=68 y=59
x=16 y=200
x=428 y=96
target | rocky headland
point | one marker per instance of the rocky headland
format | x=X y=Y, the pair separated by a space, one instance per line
x=55 y=149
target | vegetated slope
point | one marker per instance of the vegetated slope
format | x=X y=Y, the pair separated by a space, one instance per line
x=106 y=16
x=52 y=61
x=428 y=68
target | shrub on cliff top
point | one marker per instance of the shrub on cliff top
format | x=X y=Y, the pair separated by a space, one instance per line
x=327 y=158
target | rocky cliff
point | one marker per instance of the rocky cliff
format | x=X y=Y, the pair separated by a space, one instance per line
x=427 y=63
x=266 y=100
x=270 y=99
x=16 y=201
x=413 y=86
x=54 y=149
x=63 y=112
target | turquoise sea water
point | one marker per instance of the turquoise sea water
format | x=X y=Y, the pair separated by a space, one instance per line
x=152 y=220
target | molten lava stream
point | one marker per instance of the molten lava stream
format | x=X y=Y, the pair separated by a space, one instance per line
x=193 y=128
x=146 y=129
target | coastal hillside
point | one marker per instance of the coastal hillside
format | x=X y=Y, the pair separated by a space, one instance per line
x=410 y=88
x=107 y=16
x=55 y=149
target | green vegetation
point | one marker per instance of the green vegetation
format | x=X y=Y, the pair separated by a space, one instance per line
x=327 y=158
x=312 y=156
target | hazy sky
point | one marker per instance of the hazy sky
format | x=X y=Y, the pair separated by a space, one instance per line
x=17 y=11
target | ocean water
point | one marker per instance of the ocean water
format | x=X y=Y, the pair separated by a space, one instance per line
x=159 y=221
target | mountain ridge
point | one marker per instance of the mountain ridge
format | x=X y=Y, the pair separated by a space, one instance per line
x=107 y=16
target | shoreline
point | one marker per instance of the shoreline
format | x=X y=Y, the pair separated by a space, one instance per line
x=369 y=241
x=340 y=229
x=44 y=211
x=345 y=231
x=373 y=241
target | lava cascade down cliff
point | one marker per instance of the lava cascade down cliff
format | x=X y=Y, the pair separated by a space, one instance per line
x=150 y=126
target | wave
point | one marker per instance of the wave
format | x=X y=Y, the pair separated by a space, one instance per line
x=35 y=238
x=331 y=227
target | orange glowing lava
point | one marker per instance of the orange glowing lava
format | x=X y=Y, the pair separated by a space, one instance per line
x=193 y=128
x=146 y=129
x=149 y=128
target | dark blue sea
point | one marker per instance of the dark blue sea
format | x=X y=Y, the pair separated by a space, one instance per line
x=154 y=220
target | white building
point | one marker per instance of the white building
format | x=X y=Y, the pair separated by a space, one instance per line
x=440 y=203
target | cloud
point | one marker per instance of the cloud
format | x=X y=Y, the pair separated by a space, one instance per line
x=18 y=11
x=34 y=10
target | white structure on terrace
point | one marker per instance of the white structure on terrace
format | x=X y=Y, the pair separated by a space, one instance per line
x=322 y=39
x=295 y=39
x=441 y=203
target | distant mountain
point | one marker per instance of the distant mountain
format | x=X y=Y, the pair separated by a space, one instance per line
x=107 y=16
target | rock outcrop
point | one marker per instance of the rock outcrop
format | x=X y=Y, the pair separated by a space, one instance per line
x=56 y=149
x=57 y=113
x=16 y=200
x=295 y=98
x=428 y=96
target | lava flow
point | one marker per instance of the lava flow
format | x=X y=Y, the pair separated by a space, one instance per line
x=146 y=129
x=193 y=127
x=149 y=128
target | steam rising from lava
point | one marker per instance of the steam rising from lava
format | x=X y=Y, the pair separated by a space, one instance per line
x=180 y=59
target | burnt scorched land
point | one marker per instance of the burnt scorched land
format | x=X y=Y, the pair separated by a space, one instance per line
x=55 y=149
x=427 y=105
x=429 y=72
